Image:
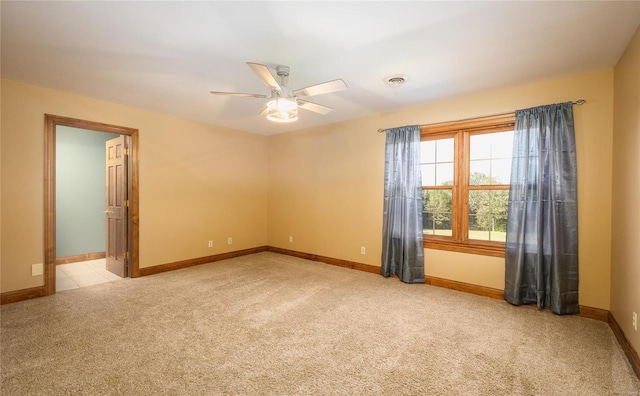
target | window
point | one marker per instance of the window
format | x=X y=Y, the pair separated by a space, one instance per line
x=466 y=167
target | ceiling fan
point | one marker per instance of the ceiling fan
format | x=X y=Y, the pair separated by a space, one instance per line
x=284 y=102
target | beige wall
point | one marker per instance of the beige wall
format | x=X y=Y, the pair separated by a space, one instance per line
x=197 y=182
x=625 y=259
x=323 y=186
x=325 y=190
x=326 y=183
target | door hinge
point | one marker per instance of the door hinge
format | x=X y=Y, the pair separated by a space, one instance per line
x=126 y=151
x=126 y=203
x=126 y=255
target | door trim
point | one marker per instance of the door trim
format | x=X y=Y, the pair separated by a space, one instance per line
x=51 y=122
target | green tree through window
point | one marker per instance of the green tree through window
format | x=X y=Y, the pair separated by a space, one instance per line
x=437 y=208
x=487 y=210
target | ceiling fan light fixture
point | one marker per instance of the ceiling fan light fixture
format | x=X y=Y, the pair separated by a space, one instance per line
x=282 y=110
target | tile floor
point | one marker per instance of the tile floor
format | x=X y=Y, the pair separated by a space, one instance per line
x=82 y=274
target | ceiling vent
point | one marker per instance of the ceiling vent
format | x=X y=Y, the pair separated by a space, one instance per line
x=395 y=80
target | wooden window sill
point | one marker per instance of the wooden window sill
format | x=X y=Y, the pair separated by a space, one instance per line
x=484 y=250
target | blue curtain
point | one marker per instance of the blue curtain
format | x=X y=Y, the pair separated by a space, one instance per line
x=402 y=243
x=541 y=257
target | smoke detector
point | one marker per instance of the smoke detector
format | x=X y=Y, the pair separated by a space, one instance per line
x=395 y=80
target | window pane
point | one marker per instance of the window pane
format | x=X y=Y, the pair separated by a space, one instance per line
x=427 y=151
x=444 y=150
x=480 y=146
x=437 y=162
x=490 y=158
x=488 y=215
x=436 y=212
x=428 y=175
x=480 y=171
x=444 y=174
x=501 y=144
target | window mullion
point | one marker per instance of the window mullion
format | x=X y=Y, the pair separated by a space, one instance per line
x=464 y=196
x=459 y=207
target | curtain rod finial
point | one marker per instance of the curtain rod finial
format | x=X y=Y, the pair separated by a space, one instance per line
x=580 y=101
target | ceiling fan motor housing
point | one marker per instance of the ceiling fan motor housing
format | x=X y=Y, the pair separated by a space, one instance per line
x=283 y=71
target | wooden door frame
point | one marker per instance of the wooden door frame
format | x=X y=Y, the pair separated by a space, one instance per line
x=51 y=122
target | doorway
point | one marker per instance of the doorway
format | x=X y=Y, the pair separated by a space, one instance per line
x=130 y=219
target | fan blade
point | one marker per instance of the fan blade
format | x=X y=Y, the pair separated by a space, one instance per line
x=264 y=111
x=265 y=75
x=316 y=108
x=323 y=88
x=238 y=94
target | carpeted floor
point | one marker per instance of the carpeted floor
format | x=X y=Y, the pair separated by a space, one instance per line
x=278 y=325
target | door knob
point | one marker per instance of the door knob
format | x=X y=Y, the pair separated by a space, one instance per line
x=108 y=211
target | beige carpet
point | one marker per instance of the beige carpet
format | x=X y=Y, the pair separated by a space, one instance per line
x=278 y=325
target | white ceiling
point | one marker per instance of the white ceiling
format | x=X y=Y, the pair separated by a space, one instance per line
x=167 y=56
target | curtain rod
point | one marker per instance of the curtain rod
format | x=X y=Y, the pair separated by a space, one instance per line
x=578 y=102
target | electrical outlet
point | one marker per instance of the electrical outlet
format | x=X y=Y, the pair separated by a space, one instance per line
x=635 y=321
x=37 y=269
x=210 y=243
x=290 y=239
x=229 y=241
x=363 y=250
